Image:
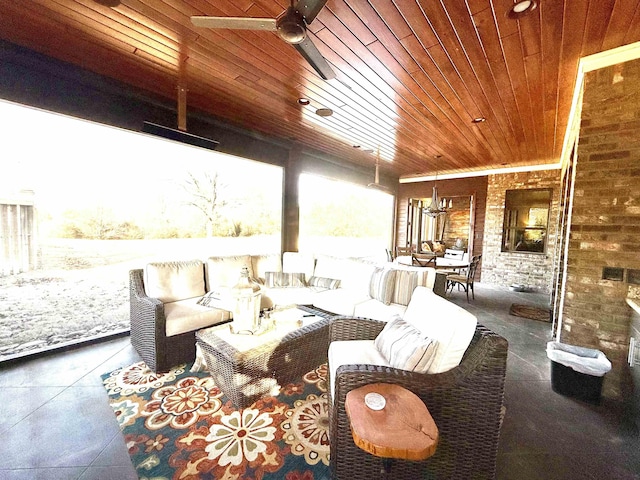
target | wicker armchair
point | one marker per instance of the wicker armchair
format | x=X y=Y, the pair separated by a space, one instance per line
x=148 y=330
x=465 y=402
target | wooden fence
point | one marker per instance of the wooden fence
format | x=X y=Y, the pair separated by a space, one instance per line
x=18 y=248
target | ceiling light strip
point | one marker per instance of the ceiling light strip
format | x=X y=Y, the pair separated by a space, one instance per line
x=481 y=173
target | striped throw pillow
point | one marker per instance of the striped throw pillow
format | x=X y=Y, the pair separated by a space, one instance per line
x=405 y=347
x=381 y=285
x=405 y=284
x=324 y=282
x=283 y=279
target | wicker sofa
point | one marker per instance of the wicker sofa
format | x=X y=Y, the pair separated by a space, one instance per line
x=466 y=403
x=164 y=296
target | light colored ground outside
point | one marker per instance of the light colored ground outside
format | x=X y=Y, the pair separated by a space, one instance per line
x=82 y=289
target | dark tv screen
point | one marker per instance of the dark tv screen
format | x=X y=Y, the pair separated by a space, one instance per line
x=179 y=135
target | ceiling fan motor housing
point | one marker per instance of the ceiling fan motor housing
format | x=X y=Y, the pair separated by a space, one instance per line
x=291 y=27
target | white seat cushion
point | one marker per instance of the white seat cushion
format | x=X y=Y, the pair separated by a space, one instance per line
x=171 y=281
x=340 y=301
x=445 y=322
x=288 y=295
x=186 y=316
x=378 y=311
x=353 y=352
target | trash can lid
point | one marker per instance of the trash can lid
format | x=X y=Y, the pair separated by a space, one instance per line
x=581 y=359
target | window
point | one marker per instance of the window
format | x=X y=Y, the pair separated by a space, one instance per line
x=526 y=220
x=343 y=219
x=81 y=204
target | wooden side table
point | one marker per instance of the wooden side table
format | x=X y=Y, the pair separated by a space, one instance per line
x=403 y=429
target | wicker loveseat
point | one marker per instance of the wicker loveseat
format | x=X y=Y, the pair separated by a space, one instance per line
x=465 y=402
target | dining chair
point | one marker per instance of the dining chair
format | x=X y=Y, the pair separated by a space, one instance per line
x=423 y=259
x=465 y=280
x=403 y=251
x=454 y=254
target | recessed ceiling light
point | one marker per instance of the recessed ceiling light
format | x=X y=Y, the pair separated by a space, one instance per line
x=304 y=101
x=522 y=8
x=324 y=112
x=479 y=120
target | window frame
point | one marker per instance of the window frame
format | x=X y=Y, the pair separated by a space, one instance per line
x=510 y=228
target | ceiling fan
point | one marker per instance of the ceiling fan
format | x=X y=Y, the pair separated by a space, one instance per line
x=291 y=27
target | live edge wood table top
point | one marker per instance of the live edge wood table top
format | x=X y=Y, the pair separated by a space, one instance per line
x=403 y=429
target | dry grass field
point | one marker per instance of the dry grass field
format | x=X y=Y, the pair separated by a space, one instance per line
x=82 y=287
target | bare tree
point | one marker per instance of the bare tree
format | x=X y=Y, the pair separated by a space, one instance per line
x=205 y=193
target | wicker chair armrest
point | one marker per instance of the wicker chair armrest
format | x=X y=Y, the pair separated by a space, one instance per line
x=350 y=377
x=354 y=328
x=145 y=309
x=136 y=283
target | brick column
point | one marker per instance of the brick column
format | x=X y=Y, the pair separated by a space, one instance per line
x=605 y=224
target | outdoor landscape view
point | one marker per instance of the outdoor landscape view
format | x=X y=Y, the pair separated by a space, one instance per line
x=81 y=204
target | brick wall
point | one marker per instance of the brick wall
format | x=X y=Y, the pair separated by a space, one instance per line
x=605 y=224
x=506 y=268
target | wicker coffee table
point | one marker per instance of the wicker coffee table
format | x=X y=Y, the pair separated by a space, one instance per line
x=247 y=367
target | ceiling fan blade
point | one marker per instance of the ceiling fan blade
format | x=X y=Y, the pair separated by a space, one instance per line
x=312 y=55
x=235 y=23
x=310 y=8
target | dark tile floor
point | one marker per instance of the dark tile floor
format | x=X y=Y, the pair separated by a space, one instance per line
x=55 y=422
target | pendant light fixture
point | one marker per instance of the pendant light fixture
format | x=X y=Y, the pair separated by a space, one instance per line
x=376 y=179
x=438 y=206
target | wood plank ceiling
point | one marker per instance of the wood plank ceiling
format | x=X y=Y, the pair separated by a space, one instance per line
x=410 y=74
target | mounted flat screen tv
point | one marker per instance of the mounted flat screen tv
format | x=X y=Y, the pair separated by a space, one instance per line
x=179 y=136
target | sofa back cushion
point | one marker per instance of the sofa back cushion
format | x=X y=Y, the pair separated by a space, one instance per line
x=354 y=275
x=171 y=281
x=357 y=276
x=261 y=264
x=451 y=326
x=225 y=271
x=296 y=262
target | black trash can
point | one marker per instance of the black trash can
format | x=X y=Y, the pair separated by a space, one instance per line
x=577 y=372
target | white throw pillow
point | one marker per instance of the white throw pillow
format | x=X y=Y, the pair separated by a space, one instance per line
x=284 y=279
x=405 y=347
x=405 y=283
x=381 y=286
x=324 y=282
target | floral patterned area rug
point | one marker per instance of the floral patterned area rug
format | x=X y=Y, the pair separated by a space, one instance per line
x=179 y=425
